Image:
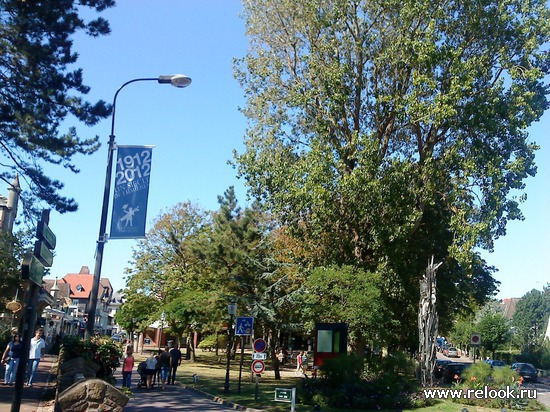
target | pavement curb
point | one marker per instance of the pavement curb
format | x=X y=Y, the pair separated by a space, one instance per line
x=219 y=400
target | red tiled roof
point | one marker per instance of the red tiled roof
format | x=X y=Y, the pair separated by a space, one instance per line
x=75 y=279
x=86 y=281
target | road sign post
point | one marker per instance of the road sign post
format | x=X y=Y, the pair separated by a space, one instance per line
x=286 y=395
x=244 y=326
x=32 y=271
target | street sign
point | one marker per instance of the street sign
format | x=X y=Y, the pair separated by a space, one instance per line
x=43 y=232
x=475 y=339
x=244 y=326
x=32 y=269
x=43 y=254
x=283 y=395
x=259 y=345
x=259 y=356
x=258 y=366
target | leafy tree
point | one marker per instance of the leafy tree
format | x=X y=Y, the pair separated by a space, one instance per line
x=495 y=331
x=135 y=313
x=349 y=295
x=382 y=133
x=40 y=89
x=531 y=317
x=462 y=332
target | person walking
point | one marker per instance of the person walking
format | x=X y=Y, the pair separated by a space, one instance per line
x=164 y=365
x=175 y=361
x=127 y=367
x=35 y=354
x=11 y=357
x=150 y=369
x=299 y=368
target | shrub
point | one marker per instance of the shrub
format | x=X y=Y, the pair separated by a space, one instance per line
x=103 y=351
x=209 y=342
x=344 y=383
x=480 y=376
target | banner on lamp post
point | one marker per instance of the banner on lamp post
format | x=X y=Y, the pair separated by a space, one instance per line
x=133 y=170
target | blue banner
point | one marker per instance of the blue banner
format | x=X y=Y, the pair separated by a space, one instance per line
x=133 y=169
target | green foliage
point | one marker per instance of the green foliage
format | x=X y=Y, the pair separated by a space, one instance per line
x=344 y=294
x=480 y=376
x=101 y=350
x=495 y=330
x=531 y=318
x=382 y=134
x=40 y=89
x=347 y=381
x=539 y=356
x=209 y=342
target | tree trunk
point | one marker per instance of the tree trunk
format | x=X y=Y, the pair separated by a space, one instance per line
x=427 y=324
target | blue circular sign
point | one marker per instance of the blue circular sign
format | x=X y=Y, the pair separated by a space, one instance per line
x=259 y=345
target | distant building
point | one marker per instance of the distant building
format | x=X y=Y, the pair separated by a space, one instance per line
x=79 y=286
x=509 y=307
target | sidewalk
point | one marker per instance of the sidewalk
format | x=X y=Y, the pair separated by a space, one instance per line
x=31 y=397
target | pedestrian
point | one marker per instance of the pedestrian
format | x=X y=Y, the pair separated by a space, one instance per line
x=175 y=361
x=11 y=357
x=299 y=362
x=164 y=365
x=35 y=354
x=127 y=367
x=150 y=369
x=304 y=362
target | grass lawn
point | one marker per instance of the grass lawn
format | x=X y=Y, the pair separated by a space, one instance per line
x=211 y=378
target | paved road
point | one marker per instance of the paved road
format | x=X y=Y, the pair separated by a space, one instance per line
x=173 y=398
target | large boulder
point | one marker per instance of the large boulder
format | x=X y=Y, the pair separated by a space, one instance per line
x=92 y=395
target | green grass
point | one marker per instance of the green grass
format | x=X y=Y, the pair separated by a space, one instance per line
x=211 y=378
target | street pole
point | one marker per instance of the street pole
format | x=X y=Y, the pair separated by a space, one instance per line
x=232 y=308
x=241 y=366
x=29 y=323
x=177 y=80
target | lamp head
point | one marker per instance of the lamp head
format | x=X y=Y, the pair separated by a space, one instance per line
x=176 y=80
x=232 y=308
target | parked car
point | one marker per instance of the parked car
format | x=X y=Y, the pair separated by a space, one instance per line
x=440 y=367
x=453 y=371
x=452 y=353
x=495 y=363
x=527 y=371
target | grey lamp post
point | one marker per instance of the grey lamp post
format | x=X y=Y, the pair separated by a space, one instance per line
x=176 y=80
x=231 y=309
x=162 y=319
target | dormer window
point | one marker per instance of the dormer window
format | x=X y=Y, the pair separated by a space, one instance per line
x=79 y=288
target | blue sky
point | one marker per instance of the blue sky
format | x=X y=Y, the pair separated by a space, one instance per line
x=195 y=129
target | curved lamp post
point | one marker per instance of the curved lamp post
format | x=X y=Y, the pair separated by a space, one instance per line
x=231 y=309
x=176 y=80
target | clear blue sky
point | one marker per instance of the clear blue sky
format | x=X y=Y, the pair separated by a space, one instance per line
x=195 y=129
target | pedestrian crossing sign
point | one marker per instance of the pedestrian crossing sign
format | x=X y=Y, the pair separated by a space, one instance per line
x=244 y=326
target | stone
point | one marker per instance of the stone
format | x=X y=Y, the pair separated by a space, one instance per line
x=92 y=395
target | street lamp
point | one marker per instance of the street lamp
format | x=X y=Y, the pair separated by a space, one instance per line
x=176 y=80
x=162 y=319
x=231 y=309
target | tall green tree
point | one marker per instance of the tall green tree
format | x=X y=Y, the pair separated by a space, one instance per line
x=382 y=133
x=531 y=317
x=39 y=89
x=495 y=331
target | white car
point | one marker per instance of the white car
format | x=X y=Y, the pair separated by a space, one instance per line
x=453 y=353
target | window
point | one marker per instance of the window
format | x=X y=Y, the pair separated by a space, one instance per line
x=79 y=288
